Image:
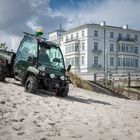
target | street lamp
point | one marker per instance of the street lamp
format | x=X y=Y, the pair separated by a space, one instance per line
x=122 y=64
x=106 y=70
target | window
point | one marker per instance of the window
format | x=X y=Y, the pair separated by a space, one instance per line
x=132 y=62
x=76 y=61
x=119 y=61
x=76 y=47
x=132 y=48
x=111 y=35
x=127 y=47
x=127 y=62
x=136 y=63
x=67 y=62
x=72 y=48
x=28 y=48
x=122 y=47
x=120 y=36
x=83 y=46
x=111 y=47
x=128 y=36
x=95 y=33
x=111 y=61
x=83 y=33
x=119 y=47
x=77 y=35
x=71 y=36
x=95 y=46
x=66 y=38
x=136 y=37
x=96 y=60
x=136 y=49
x=82 y=60
x=72 y=61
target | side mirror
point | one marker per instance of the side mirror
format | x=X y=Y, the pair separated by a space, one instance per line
x=69 y=67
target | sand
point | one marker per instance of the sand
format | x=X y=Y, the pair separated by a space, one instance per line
x=83 y=115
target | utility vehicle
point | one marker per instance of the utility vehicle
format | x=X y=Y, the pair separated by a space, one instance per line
x=38 y=64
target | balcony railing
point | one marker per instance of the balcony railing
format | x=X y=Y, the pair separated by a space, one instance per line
x=72 y=40
x=97 y=51
x=96 y=66
x=126 y=39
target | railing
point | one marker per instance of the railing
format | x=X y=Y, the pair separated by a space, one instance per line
x=97 y=51
x=113 y=80
x=126 y=39
x=97 y=65
x=70 y=40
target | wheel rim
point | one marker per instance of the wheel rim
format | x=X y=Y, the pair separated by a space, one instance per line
x=28 y=86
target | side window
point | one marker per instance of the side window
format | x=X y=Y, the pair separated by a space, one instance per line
x=28 y=48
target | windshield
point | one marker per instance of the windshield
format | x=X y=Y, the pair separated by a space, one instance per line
x=51 y=57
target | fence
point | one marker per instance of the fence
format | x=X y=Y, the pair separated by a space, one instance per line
x=121 y=79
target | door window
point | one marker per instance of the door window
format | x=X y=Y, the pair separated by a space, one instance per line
x=28 y=48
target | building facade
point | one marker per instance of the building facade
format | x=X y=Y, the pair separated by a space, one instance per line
x=100 y=48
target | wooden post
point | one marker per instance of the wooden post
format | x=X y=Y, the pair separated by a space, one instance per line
x=129 y=80
x=95 y=75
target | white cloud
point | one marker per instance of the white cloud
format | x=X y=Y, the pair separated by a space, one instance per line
x=15 y=41
x=11 y=41
x=32 y=24
x=19 y=16
x=114 y=12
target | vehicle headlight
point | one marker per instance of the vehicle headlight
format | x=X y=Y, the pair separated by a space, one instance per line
x=41 y=68
x=43 y=73
x=52 y=75
x=62 y=77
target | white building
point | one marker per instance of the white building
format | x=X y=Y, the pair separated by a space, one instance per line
x=100 y=48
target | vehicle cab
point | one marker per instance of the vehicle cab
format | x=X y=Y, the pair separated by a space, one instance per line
x=40 y=64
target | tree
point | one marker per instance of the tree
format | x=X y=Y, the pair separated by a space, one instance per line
x=3 y=46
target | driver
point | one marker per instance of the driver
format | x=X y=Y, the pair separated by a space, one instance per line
x=43 y=56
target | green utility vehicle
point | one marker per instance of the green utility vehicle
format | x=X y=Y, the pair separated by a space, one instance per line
x=38 y=64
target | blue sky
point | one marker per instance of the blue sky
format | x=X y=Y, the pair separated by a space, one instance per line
x=56 y=4
x=17 y=16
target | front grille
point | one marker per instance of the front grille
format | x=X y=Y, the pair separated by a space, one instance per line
x=53 y=82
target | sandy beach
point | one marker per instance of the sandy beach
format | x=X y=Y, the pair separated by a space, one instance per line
x=83 y=115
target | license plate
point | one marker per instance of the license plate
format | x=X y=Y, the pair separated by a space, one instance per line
x=57 y=84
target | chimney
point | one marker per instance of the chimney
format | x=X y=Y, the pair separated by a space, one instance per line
x=125 y=26
x=102 y=23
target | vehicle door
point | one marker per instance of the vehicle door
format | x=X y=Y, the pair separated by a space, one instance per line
x=25 y=54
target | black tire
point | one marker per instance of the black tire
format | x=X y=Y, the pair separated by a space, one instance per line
x=64 y=92
x=2 y=74
x=31 y=84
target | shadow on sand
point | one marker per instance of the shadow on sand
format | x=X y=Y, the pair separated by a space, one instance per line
x=71 y=98
x=5 y=82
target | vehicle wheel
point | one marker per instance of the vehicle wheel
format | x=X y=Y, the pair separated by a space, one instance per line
x=2 y=74
x=64 y=92
x=31 y=84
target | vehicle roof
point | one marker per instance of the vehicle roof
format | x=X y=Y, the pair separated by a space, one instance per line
x=42 y=39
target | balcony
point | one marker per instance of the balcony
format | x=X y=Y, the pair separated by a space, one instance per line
x=97 y=51
x=72 y=40
x=126 y=39
x=96 y=66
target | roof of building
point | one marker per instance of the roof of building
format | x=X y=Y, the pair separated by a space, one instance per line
x=97 y=25
x=57 y=31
